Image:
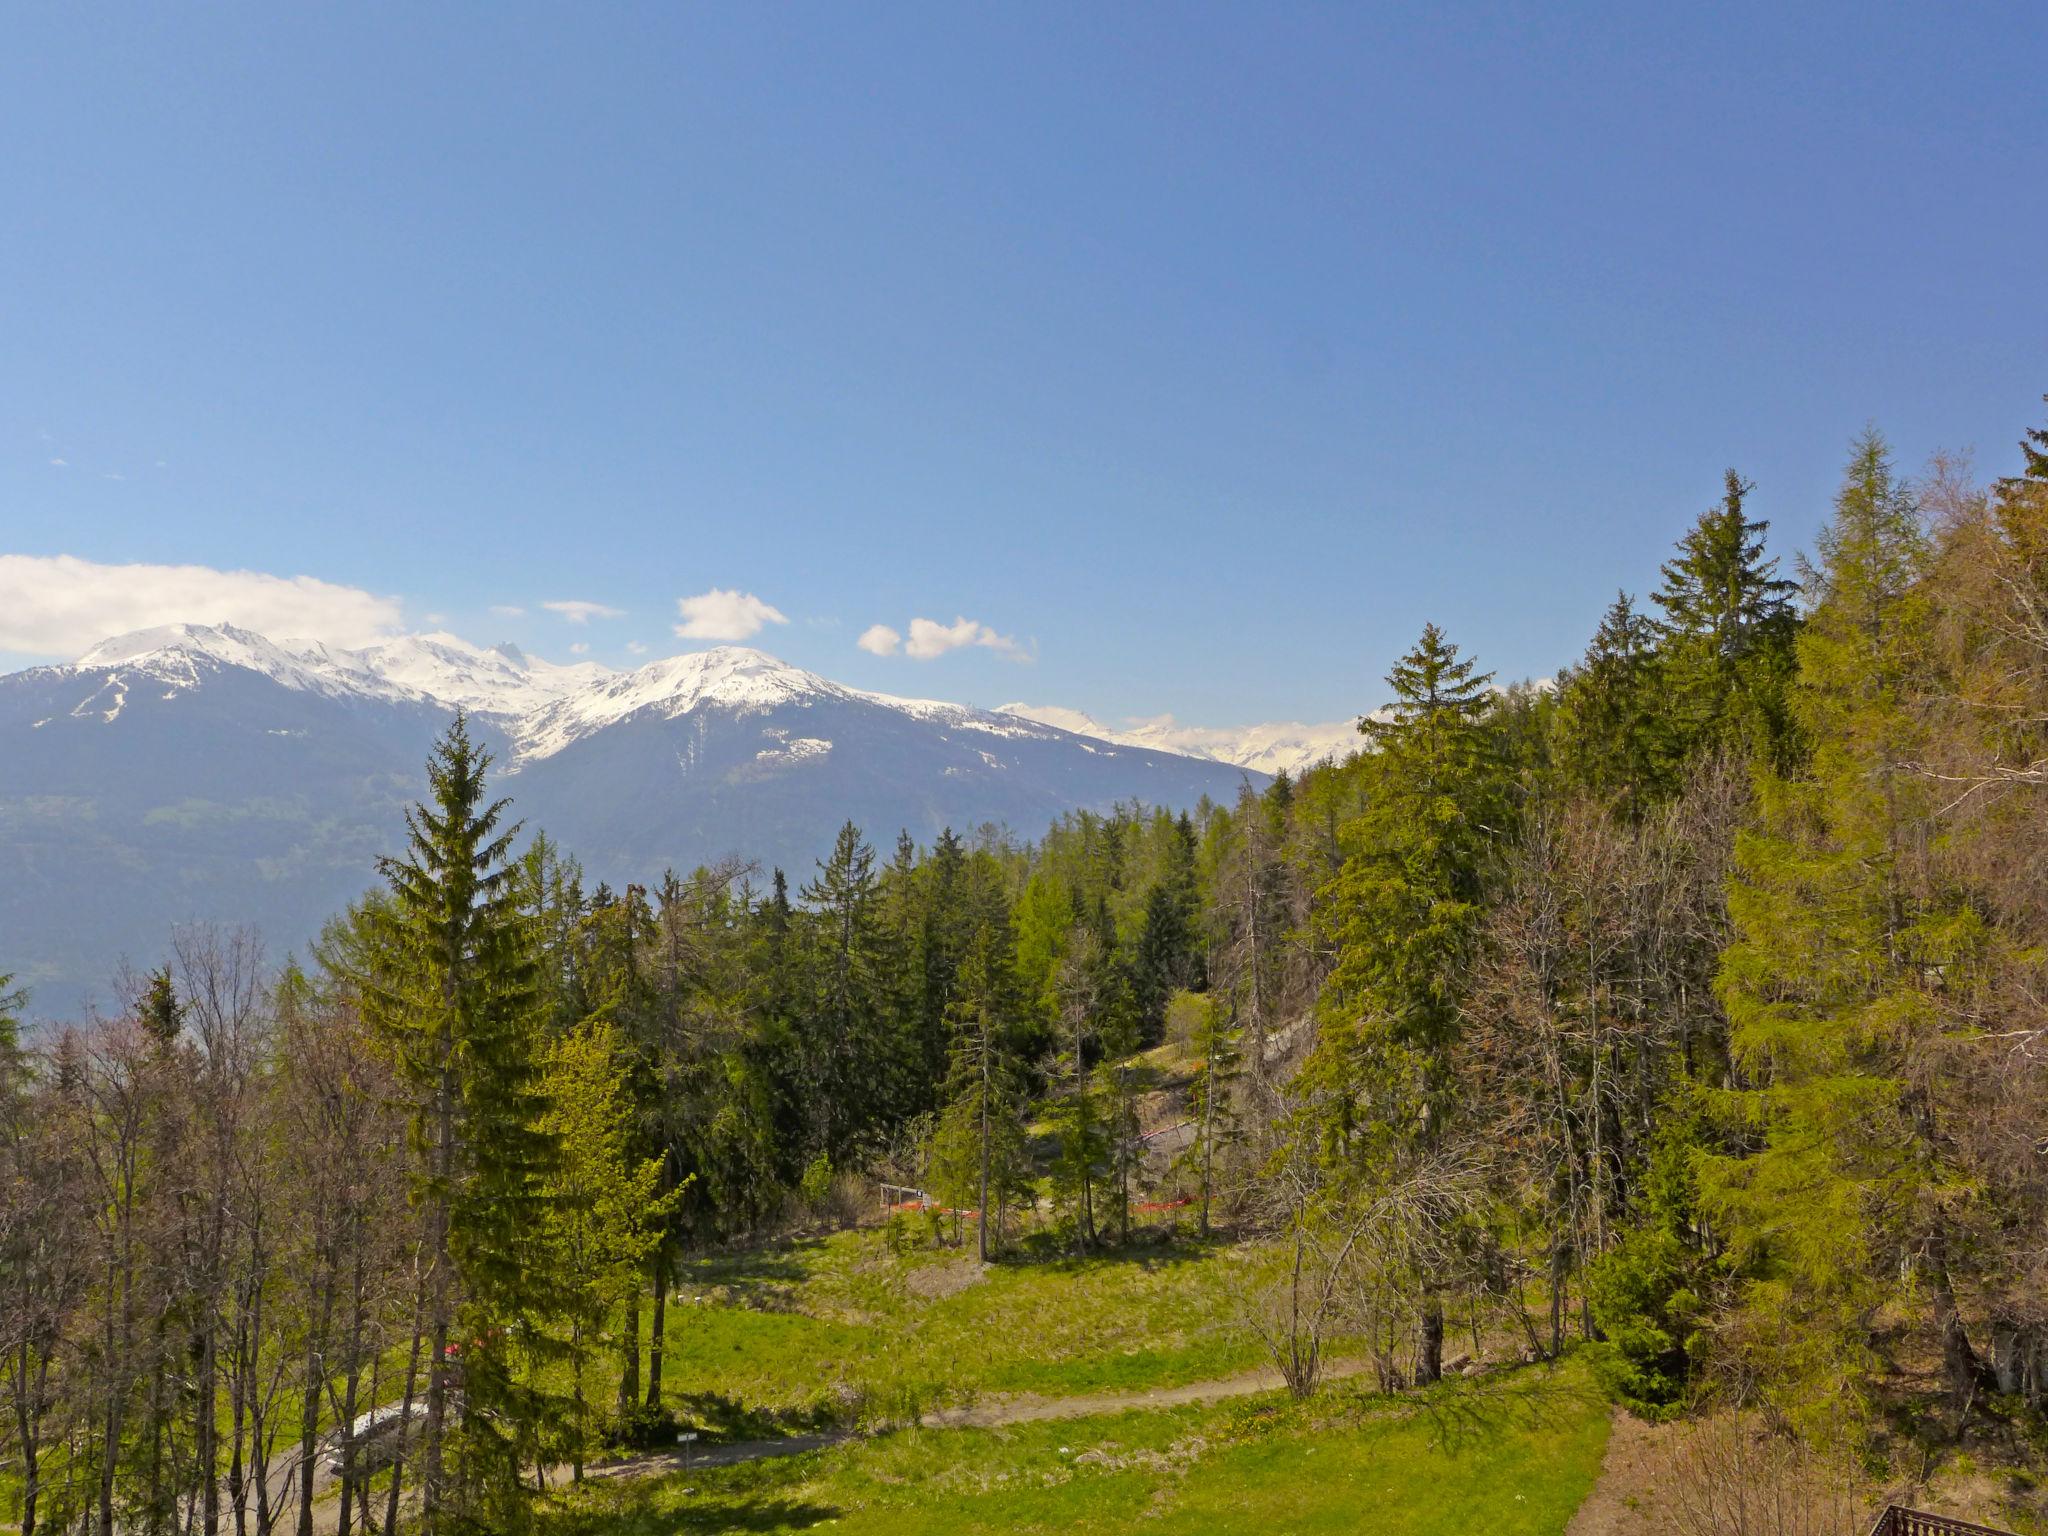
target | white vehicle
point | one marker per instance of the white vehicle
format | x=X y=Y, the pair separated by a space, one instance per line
x=375 y=1437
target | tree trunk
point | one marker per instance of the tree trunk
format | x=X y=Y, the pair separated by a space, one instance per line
x=1960 y=1366
x=1208 y=1123
x=981 y=1223
x=440 y=1281
x=658 y=1327
x=629 y=1356
x=206 y=1435
x=1429 y=1360
x=412 y=1373
x=576 y=1399
x=309 y=1403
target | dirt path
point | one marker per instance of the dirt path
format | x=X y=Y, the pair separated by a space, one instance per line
x=1033 y=1410
x=1625 y=1500
x=994 y=1414
x=659 y=1463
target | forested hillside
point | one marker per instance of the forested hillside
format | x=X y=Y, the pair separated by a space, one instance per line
x=1690 y=1008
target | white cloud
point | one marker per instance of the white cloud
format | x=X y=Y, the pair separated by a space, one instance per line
x=60 y=605
x=580 y=648
x=636 y=647
x=508 y=610
x=576 y=611
x=60 y=463
x=724 y=615
x=880 y=640
x=929 y=638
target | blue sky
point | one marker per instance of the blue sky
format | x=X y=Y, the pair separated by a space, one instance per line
x=1204 y=352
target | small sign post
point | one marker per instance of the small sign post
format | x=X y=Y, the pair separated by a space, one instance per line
x=686 y=1438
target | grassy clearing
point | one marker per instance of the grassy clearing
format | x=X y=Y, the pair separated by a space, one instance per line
x=1512 y=1455
x=824 y=1327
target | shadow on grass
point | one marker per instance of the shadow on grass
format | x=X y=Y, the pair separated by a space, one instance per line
x=1156 y=1249
x=723 y=1420
x=676 y=1513
x=1469 y=1415
x=754 y=1496
x=786 y=1260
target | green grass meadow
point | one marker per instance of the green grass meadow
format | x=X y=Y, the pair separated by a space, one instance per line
x=1509 y=1455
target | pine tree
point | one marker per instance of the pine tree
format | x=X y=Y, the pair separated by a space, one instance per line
x=1168 y=949
x=1610 y=710
x=1402 y=915
x=985 y=1076
x=1209 y=1099
x=945 y=932
x=159 y=1009
x=844 y=1033
x=456 y=988
x=1080 y=1153
x=12 y=1000
x=2034 y=452
x=1726 y=633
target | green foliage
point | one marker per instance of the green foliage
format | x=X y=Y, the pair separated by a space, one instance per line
x=978 y=1157
x=606 y=1210
x=1833 y=1179
x=1650 y=1293
x=454 y=984
x=1168 y=953
x=1081 y=1158
x=1611 y=739
x=2034 y=452
x=1725 y=637
x=160 y=1011
x=1402 y=913
x=817 y=1181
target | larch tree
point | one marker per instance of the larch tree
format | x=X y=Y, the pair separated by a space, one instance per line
x=606 y=1210
x=1835 y=1192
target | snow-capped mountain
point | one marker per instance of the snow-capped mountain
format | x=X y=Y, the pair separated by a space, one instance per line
x=204 y=772
x=1278 y=747
x=436 y=668
x=500 y=680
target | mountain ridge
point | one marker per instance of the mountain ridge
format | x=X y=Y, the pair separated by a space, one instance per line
x=545 y=706
x=207 y=773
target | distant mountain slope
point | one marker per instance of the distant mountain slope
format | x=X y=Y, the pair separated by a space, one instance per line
x=1284 y=746
x=209 y=773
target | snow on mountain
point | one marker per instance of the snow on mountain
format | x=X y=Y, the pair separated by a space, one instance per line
x=543 y=707
x=180 y=656
x=1275 y=747
x=742 y=680
x=207 y=773
x=499 y=681
x=496 y=680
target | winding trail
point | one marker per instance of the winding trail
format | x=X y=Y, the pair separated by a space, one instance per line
x=995 y=1413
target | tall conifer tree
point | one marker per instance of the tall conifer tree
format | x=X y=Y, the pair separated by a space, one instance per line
x=456 y=988
x=1726 y=632
x=1609 y=738
x=1837 y=1187
x=1402 y=915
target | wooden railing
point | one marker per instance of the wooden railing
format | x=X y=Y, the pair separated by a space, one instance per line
x=1899 y=1521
